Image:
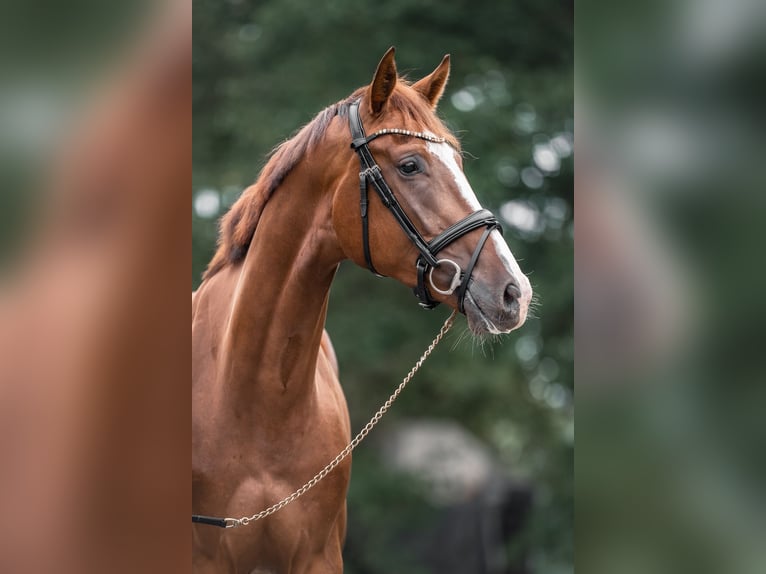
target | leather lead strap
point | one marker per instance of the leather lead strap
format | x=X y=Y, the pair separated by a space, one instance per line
x=211 y=520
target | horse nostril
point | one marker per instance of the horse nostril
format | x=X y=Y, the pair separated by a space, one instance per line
x=512 y=295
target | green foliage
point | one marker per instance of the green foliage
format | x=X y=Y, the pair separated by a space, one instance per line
x=263 y=69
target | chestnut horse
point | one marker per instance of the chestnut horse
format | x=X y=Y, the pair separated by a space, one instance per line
x=268 y=410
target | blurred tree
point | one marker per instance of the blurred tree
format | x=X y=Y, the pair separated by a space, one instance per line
x=262 y=69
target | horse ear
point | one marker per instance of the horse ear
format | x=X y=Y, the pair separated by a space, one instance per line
x=384 y=82
x=432 y=86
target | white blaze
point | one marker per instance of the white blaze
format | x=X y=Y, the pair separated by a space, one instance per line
x=445 y=153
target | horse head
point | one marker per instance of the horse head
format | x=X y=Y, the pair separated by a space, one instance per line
x=410 y=162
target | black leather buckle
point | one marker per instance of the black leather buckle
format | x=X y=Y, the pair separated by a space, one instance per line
x=421 y=290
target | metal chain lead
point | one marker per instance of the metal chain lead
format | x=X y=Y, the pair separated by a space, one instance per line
x=245 y=520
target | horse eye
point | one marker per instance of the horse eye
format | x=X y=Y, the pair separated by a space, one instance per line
x=409 y=168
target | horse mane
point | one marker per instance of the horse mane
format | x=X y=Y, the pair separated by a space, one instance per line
x=237 y=226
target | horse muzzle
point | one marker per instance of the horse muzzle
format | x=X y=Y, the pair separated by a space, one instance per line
x=496 y=311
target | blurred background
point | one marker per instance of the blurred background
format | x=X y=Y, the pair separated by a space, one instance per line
x=670 y=469
x=52 y=59
x=95 y=179
x=472 y=470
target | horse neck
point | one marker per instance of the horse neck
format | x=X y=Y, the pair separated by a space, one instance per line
x=279 y=306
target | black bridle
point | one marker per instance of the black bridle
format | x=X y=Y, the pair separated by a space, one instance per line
x=427 y=259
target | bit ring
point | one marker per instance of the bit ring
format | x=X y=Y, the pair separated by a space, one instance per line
x=454 y=284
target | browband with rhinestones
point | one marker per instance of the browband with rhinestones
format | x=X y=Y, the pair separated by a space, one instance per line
x=401 y=132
